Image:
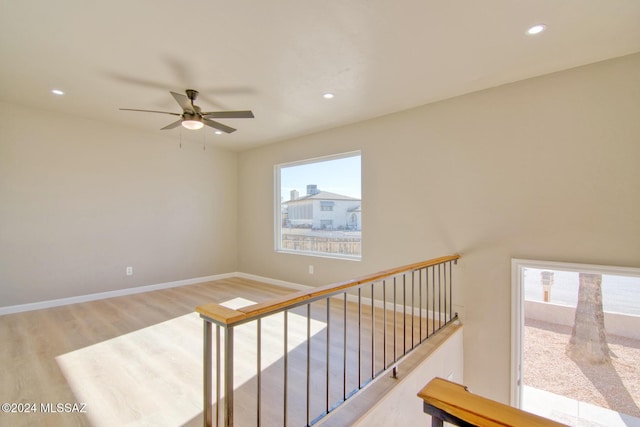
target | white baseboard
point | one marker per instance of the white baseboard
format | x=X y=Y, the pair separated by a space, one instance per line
x=109 y=294
x=290 y=285
x=131 y=291
x=424 y=312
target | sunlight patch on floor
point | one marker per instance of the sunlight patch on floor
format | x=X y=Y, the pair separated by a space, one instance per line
x=153 y=376
x=573 y=412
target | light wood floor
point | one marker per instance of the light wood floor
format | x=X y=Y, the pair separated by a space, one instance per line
x=137 y=360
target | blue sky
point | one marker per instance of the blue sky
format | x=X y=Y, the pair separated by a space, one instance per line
x=341 y=176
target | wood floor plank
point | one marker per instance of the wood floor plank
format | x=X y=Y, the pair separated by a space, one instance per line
x=36 y=346
x=137 y=360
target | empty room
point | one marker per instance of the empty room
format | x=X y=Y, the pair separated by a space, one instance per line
x=295 y=213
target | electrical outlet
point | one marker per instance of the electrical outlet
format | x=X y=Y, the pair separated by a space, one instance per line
x=310 y=269
x=129 y=271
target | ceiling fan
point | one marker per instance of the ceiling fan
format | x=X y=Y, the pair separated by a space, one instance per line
x=193 y=118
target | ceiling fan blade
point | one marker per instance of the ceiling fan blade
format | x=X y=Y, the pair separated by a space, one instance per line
x=219 y=126
x=183 y=101
x=173 y=125
x=138 y=81
x=151 y=111
x=229 y=115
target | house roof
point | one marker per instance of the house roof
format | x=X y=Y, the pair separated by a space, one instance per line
x=324 y=195
x=278 y=58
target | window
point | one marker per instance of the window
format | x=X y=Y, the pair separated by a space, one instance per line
x=319 y=208
x=326 y=205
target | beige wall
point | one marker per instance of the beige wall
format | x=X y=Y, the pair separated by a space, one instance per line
x=81 y=200
x=401 y=407
x=547 y=168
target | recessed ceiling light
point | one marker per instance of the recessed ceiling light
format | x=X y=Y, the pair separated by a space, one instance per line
x=218 y=132
x=57 y=92
x=536 y=29
x=328 y=96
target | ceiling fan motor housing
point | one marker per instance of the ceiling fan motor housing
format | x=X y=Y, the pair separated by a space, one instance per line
x=192 y=94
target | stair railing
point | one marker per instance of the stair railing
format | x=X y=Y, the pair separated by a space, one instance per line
x=394 y=311
x=452 y=403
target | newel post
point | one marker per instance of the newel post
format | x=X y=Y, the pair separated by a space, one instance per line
x=228 y=376
x=224 y=318
x=206 y=380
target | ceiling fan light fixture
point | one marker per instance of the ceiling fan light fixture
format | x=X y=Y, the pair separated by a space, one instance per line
x=192 y=124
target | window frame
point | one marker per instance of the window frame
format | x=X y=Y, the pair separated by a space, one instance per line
x=518 y=266
x=278 y=199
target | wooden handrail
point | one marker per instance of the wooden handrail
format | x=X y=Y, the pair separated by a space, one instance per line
x=227 y=317
x=454 y=403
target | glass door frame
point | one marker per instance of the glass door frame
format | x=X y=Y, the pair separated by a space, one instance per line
x=518 y=267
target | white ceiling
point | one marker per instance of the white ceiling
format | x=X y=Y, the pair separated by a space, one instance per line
x=278 y=57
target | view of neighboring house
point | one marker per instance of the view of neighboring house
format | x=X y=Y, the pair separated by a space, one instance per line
x=322 y=210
